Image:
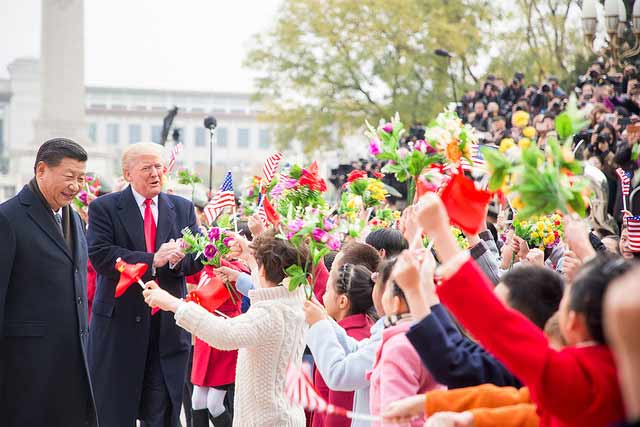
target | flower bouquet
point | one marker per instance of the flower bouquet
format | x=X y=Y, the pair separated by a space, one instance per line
x=541 y=232
x=212 y=249
x=318 y=232
x=90 y=191
x=301 y=188
x=384 y=218
x=361 y=192
x=406 y=163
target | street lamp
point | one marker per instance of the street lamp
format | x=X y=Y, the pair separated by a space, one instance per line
x=616 y=24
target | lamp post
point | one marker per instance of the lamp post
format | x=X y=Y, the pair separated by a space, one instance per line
x=616 y=25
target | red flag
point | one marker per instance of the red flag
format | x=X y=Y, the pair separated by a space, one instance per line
x=423 y=186
x=211 y=292
x=129 y=274
x=465 y=204
x=271 y=213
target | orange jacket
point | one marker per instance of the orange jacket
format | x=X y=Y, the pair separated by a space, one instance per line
x=489 y=404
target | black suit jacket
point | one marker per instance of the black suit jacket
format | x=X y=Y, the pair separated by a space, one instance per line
x=120 y=328
x=43 y=318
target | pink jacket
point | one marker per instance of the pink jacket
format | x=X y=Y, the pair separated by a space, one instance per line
x=397 y=372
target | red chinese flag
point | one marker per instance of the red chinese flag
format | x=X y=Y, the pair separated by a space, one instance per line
x=129 y=274
x=422 y=187
x=211 y=293
x=465 y=204
x=271 y=213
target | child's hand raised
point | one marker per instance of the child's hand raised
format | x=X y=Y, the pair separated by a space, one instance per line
x=431 y=214
x=314 y=312
x=406 y=272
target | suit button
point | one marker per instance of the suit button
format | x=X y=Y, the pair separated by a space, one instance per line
x=76 y=269
x=79 y=300
x=138 y=319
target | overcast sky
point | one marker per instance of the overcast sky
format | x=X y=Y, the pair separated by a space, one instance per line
x=185 y=44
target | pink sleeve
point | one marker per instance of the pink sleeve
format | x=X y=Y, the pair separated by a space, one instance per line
x=400 y=374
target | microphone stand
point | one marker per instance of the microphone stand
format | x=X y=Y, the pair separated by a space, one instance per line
x=212 y=140
x=453 y=80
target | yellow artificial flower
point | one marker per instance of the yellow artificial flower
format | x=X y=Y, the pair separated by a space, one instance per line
x=397 y=214
x=517 y=204
x=506 y=144
x=535 y=235
x=540 y=226
x=529 y=132
x=524 y=143
x=520 y=119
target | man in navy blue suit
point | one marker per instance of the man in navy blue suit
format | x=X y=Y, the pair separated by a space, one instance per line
x=137 y=361
x=44 y=379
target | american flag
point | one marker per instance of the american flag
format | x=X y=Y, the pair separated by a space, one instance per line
x=300 y=391
x=625 y=181
x=633 y=226
x=222 y=199
x=271 y=167
x=174 y=154
x=262 y=213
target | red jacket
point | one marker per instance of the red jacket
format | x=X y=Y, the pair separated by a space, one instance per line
x=576 y=386
x=357 y=326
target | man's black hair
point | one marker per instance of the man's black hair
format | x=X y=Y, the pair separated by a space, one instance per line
x=389 y=239
x=534 y=291
x=55 y=150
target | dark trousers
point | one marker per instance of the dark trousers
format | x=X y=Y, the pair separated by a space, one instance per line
x=155 y=407
x=188 y=392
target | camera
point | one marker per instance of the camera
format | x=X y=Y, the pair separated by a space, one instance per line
x=603 y=138
x=546 y=87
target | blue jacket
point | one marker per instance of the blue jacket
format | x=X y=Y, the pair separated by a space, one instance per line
x=453 y=359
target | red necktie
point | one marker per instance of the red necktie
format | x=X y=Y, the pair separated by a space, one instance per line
x=149 y=227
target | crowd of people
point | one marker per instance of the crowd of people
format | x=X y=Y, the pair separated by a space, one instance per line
x=407 y=323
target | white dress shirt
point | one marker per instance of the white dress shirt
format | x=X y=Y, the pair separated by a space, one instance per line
x=140 y=201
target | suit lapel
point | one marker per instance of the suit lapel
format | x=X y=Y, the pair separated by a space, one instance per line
x=39 y=215
x=132 y=219
x=166 y=219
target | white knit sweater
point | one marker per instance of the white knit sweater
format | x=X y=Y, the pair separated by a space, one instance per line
x=270 y=335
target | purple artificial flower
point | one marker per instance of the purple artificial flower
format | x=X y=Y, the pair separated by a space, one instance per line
x=214 y=234
x=388 y=128
x=333 y=243
x=424 y=147
x=296 y=225
x=328 y=224
x=250 y=193
x=374 y=147
x=210 y=251
x=277 y=190
x=227 y=241
x=83 y=197
x=319 y=235
x=290 y=235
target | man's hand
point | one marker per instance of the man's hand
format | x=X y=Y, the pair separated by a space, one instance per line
x=404 y=410
x=520 y=247
x=535 y=257
x=406 y=273
x=240 y=249
x=450 y=419
x=255 y=225
x=314 y=312
x=570 y=265
x=226 y=273
x=167 y=252
x=154 y=296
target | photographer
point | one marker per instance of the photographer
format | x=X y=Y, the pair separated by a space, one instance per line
x=480 y=119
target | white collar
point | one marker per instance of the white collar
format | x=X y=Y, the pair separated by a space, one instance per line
x=59 y=211
x=140 y=198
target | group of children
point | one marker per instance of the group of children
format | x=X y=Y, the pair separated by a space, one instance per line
x=415 y=336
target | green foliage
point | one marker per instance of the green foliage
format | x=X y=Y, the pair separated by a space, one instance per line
x=324 y=67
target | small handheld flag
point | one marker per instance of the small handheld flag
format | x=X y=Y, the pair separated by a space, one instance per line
x=633 y=227
x=271 y=167
x=174 y=154
x=130 y=274
x=222 y=199
x=625 y=185
x=300 y=391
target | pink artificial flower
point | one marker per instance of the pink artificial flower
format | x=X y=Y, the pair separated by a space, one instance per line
x=227 y=241
x=296 y=225
x=374 y=147
x=277 y=190
x=290 y=235
x=83 y=197
x=388 y=128
x=210 y=251
x=402 y=152
x=333 y=243
x=319 y=235
x=424 y=147
x=290 y=183
x=328 y=224
x=214 y=234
